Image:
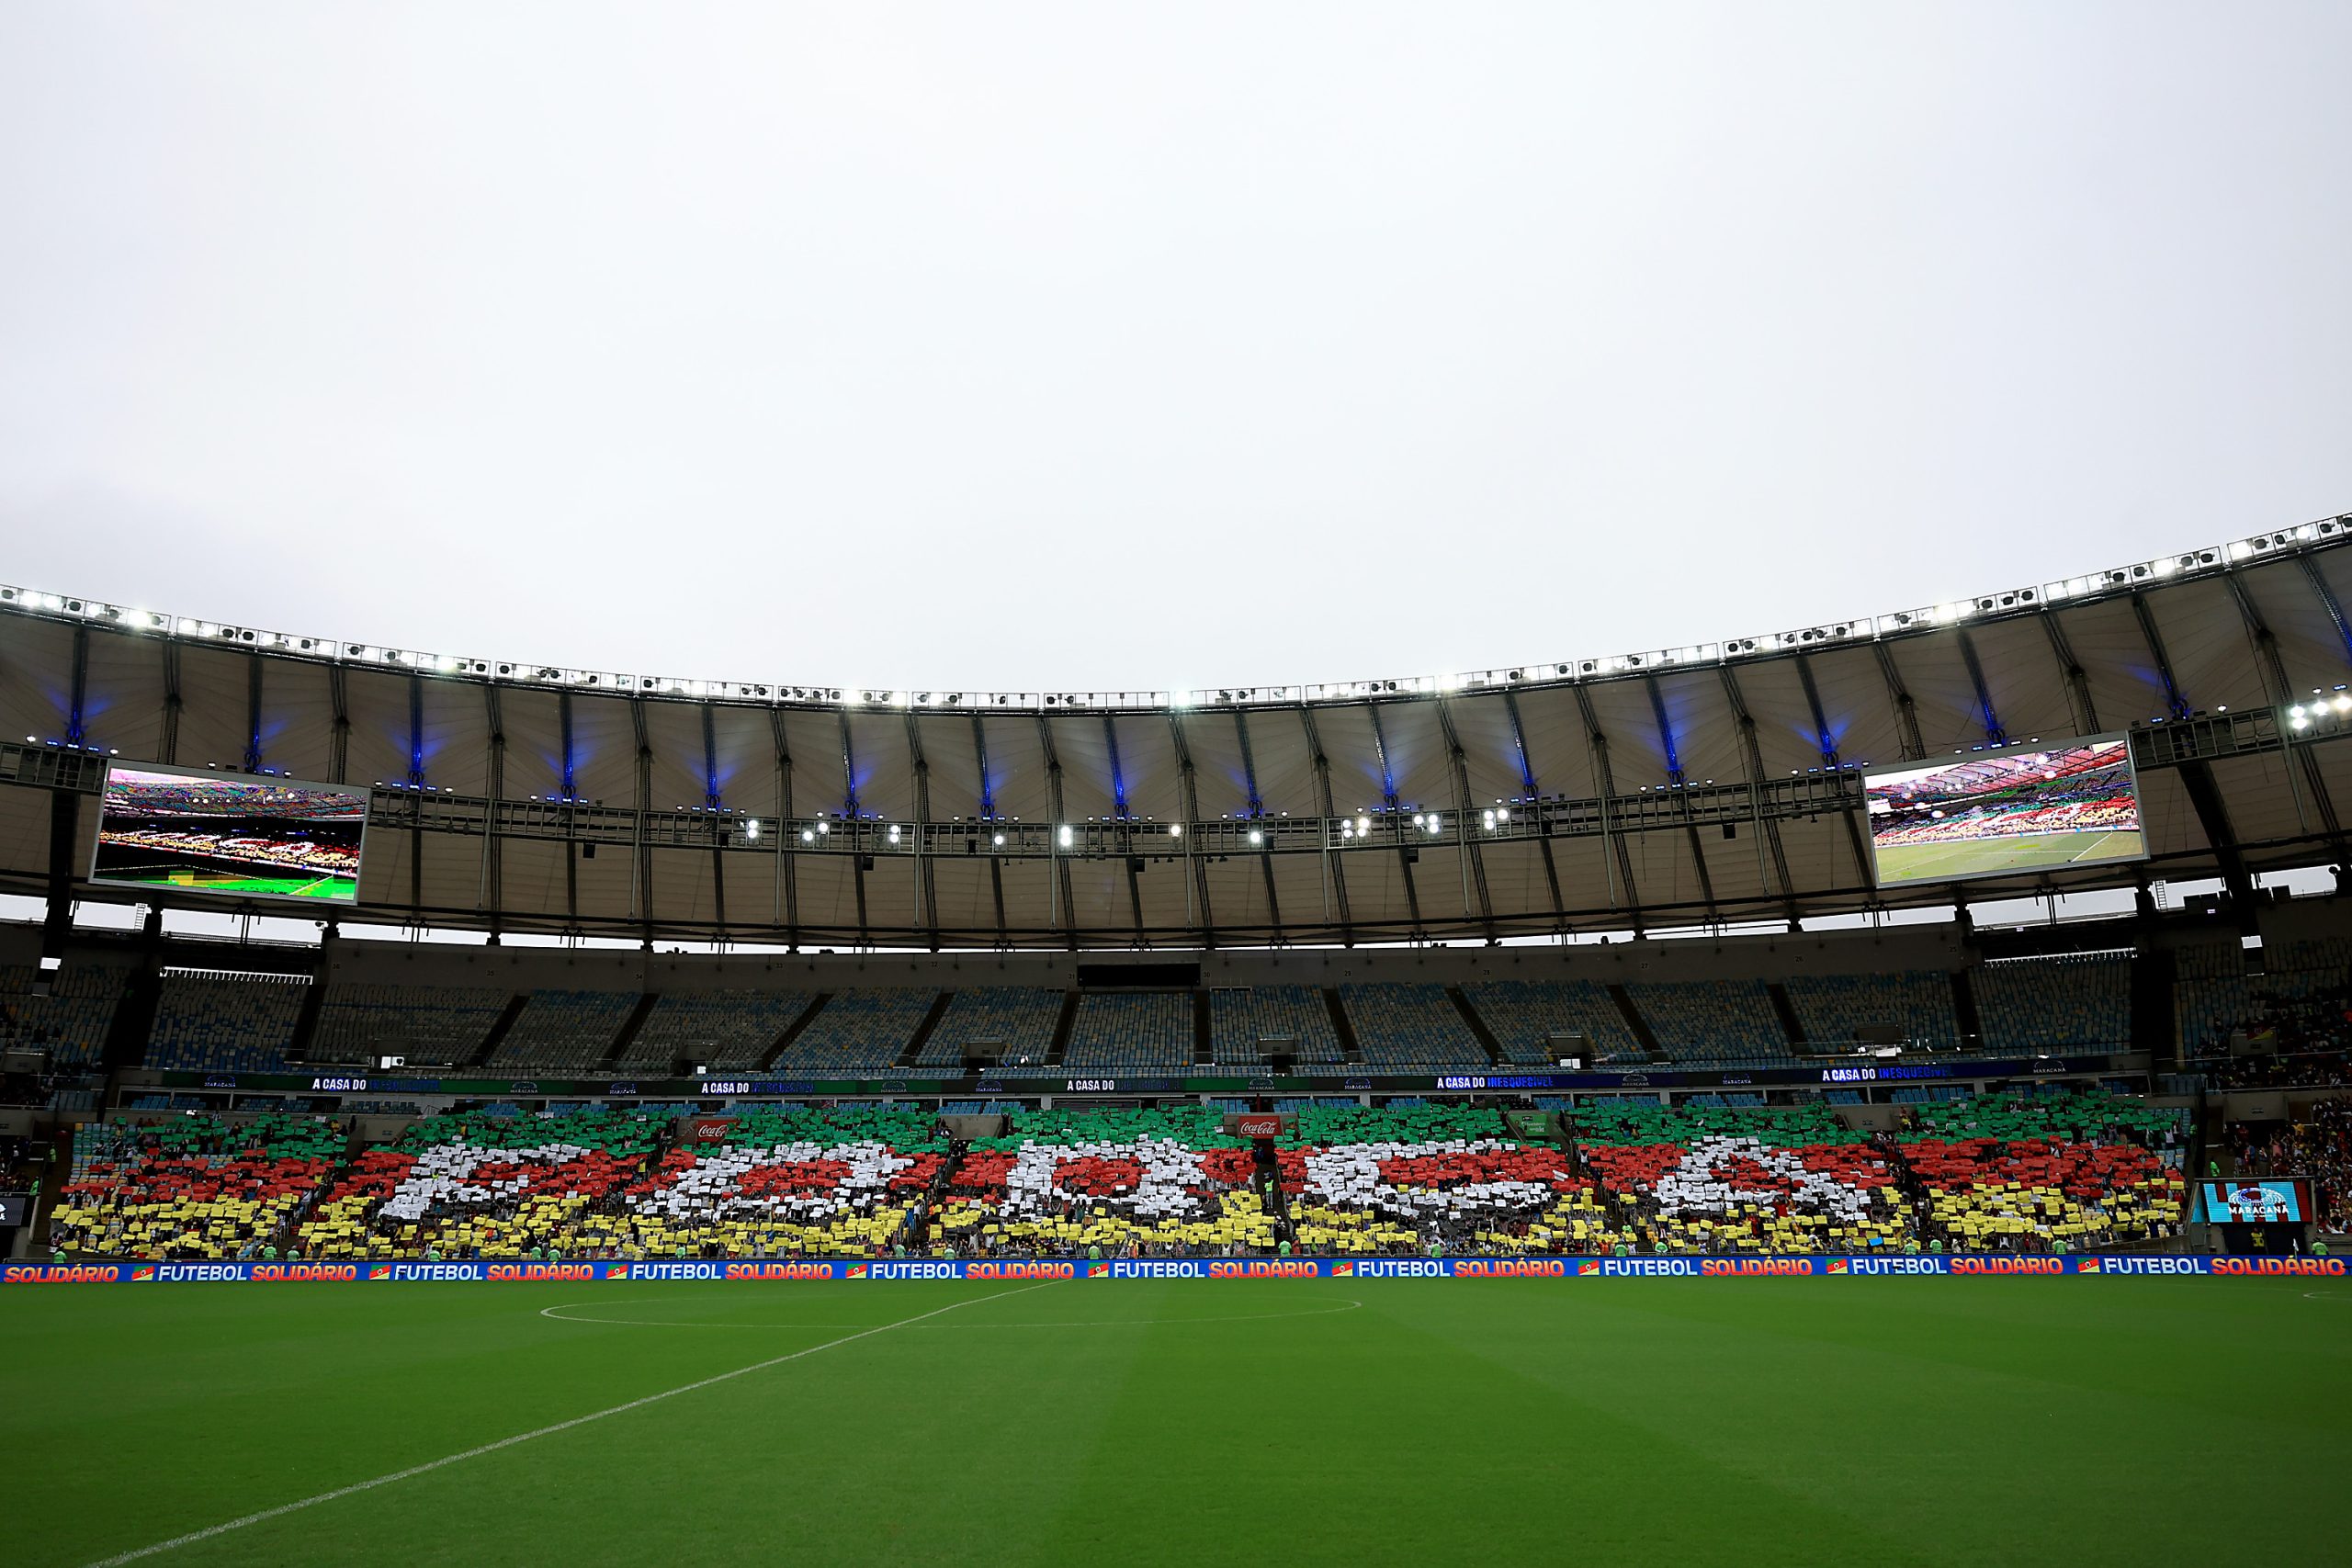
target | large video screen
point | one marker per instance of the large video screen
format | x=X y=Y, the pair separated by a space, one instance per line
x=233 y=834
x=2247 y=1200
x=2000 y=813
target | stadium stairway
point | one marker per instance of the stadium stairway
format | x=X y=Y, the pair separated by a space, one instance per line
x=1787 y=1012
x=506 y=1017
x=1964 y=1007
x=306 y=1023
x=1203 y=1031
x=921 y=1036
x=54 y=1176
x=1344 y=1027
x=793 y=1030
x=134 y=1020
x=1059 y=1050
x=627 y=1035
x=1477 y=1025
x=2155 y=1026
x=1633 y=1019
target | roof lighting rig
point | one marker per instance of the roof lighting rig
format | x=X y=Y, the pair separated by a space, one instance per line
x=2324 y=714
x=2115 y=580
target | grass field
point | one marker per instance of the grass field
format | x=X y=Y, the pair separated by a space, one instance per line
x=1800 y=1422
x=1917 y=862
x=300 y=886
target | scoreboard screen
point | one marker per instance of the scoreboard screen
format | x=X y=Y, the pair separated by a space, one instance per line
x=237 y=835
x=2023 y=808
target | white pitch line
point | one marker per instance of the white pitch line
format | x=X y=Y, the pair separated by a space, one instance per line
x=555 y=1314
x=283 y=1508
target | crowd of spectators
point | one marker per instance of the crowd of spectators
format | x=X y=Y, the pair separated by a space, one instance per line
x=2038 y=1172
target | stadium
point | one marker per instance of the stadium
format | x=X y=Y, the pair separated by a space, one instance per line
x=1183 y=1043
x=1151 y=992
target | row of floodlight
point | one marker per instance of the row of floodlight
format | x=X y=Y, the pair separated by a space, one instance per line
x=1494 y=820
x=2333 y=709
x=2121 y=578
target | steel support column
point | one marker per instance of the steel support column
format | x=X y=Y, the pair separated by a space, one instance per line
x=926 y=877
x=1335 y=875
x=1613 y=854
x=1197 y=881
x=1467 y=847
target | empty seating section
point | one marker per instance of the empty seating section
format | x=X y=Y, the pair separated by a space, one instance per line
x=2075 y=999
x=1711 y=1020
x=561 y=1029
x=424 y=1024
x=857 y=1032
x=1013 y=1024
x=1834 y=1008
x=1411 y=1028
x=2215 y=996
x=1126 y=1032
x=2211 y=995
x=1523 y=1015
x=1247 y=1023
x=2300 y=968
x=70 y=1024
x=719 y=1029
x=209 y=1024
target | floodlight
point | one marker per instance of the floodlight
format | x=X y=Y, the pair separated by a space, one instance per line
x=1175 y=829
x=1435 y=822
x=1363 y=824
x=823 y=825
x=1065 y=835
x=894 y=832
x=806 y=835
x=1256 y=837
x=751 y=829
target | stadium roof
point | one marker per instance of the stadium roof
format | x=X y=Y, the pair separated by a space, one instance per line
x=1703 y=784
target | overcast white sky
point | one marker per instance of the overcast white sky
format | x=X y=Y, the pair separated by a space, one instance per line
x=1098 y=346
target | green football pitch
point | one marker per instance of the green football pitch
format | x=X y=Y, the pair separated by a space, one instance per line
x=1919 y=862
x=1800 y=1422
x=299 y=885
